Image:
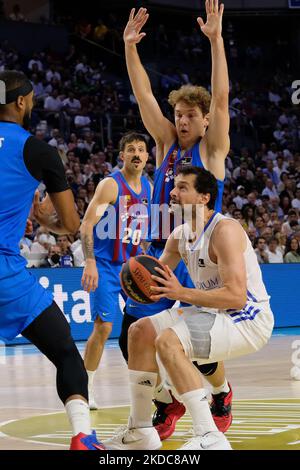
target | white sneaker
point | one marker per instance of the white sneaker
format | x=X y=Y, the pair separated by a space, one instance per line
x=213 y=440
x=92 y=402
x=134 y=439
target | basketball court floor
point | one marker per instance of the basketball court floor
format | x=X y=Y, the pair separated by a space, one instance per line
x=266 y=406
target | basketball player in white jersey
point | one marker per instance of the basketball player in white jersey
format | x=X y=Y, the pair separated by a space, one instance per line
x=230 y=315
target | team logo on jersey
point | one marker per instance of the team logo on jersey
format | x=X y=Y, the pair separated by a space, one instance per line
x=186 y=161
x=145 y=200
x=201 y=263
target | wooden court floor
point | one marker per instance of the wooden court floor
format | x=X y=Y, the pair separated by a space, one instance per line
x=266 y=400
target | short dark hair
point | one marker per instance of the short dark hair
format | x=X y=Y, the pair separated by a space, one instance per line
x=205 y=182
x=131 y=137
x=13 y=79
x=257 y=240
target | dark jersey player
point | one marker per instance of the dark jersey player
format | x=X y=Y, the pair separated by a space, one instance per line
x=25 y=306
x=199 y=137
x=112 y=230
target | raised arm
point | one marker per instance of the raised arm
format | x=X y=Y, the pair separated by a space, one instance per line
x=106 y=193
x=160 y=128
x=216 y=139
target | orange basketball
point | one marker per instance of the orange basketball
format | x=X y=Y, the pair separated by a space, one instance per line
x=136 y=277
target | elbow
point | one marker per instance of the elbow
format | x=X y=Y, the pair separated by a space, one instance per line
x=85 y=228
x=239 y=300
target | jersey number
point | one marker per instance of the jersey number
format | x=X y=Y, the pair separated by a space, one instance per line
x=132 y=235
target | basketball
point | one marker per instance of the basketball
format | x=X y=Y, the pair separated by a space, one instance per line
x=136 y=277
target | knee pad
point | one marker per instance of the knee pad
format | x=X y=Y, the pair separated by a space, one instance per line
x=206 y=369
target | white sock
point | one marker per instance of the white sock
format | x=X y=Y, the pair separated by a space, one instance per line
x=91 y=376
x=224 y=388
x=197 y=404
x=162 y=393
x=142 y=386
x=79 y=416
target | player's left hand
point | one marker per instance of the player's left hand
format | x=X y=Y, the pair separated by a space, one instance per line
x=213 y=26
x=170 y=288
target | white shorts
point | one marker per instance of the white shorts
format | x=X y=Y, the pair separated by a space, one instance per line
x=210 y=336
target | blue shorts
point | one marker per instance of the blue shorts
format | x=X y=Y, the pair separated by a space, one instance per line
x=140 y=310
x=22 y=298
x=105 y=301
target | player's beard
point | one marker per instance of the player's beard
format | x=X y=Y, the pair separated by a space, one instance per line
x=27 y=119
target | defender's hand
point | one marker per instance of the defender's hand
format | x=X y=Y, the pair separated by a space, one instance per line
x=213 y=26
x=132 y=34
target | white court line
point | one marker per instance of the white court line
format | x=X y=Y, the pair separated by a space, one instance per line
x=241 y=401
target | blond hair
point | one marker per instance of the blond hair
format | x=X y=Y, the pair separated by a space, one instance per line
x=191 y=95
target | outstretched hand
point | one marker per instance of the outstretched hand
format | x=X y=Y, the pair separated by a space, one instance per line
x=214 y=14
x=132 y=33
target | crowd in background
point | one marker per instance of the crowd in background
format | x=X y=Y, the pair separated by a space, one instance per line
x=83 y=108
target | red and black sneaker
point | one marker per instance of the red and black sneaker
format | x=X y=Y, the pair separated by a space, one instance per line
x=220 y=408
x=86 y=442
x=166 y=416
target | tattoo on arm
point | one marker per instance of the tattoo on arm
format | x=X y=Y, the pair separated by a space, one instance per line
x=88 y=246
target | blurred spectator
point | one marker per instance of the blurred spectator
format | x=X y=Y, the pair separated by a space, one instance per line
x=240 y=200
x=66 y=255
x=286 y=227
x=269 y=189
x=53 y=258
x=273 y=252
x=292 y=251
x=260 y=250
x=296 y=200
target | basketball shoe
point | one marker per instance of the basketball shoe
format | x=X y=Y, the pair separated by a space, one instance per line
x=213 y=440
x=86 y=442
x=220 y=408
x=166 y=416
x=128 y=438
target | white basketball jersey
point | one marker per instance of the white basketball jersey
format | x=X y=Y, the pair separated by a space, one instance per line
x=205 y=274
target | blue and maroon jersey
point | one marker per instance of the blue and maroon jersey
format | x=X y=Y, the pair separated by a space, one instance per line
x=124 y=225
x=164 y=183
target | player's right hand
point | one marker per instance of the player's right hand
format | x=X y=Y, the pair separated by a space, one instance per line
x=132 y=34
x=90 y=276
